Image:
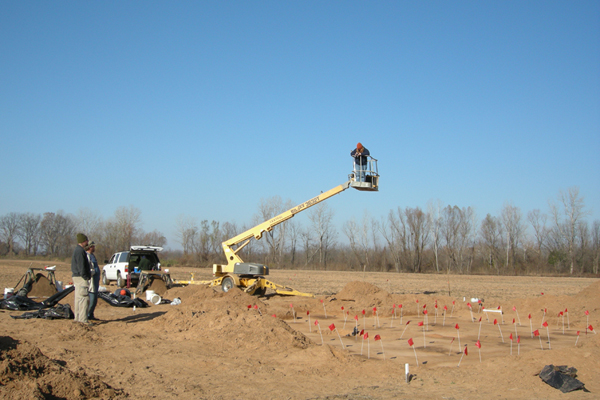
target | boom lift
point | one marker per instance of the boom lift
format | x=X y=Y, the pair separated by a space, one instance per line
x=251 y=276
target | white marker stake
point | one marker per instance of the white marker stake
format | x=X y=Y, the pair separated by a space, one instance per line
x=577 y=339
x=406 y=372
x=345 y=318
x=450 y=351
x=324 y=310
x=452 y=310
x=531 y=326
x=134 y=303
x=502 y=315
x=309 y=326
x=458 y=334
x=392 y=318
x=401 y=313
x=568 y=323
x=548 y=333
x=471 y=311
x=444 y=321
x=563 y=321
x=543 y=316
x=336 y=331
x=518 y=345
x=320 y=333
x=479 y=334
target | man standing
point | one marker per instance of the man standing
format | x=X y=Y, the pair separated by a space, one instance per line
x=94 y=282
x=80 y=271
x=360 y=161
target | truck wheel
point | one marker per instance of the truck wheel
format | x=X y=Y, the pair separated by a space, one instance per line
x=104 y=279
x=227 y=284
x=120 y=281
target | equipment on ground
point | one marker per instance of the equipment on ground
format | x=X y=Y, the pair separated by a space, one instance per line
x=31 y=277
x=250 y=277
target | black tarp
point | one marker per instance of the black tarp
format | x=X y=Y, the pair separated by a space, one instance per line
x=561 y=377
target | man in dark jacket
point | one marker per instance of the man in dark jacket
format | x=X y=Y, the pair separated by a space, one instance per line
x=360 y=161
x=80 y=271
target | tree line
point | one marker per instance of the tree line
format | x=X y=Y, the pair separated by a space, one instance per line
x=440 y=238
x=437 y=239
x=52 y=234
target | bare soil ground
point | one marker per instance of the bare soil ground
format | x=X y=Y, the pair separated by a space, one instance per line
x=218 y=345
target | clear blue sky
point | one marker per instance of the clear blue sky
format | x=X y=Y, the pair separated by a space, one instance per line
x=203 y=108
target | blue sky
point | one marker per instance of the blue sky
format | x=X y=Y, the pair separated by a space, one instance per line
x=204 y=108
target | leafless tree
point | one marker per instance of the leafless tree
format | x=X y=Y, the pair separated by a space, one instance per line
x=419 y=225
x=321 y=218
x=154 y=238
x=434 y=209
x=186 y=229
x=127 y=221
x=29 y=232
x=9 y=230
x=491 y=233
x=513 y=228
x=573 y=211
x=396 y=233
x=540 y=231
x=294 y=230
x=57 y=233
x=595 y=237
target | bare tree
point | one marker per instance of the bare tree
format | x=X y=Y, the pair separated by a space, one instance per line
x=154 y=238
x=321 y=218
x=513 y=227
x=419 y=226
x=9 y=230
x=186 y=229
x=29 y=232
x=127 y=220
x=595 y=237
x=435 y=222
x=396 y=233
x=566 y=220
x=491 y=232
x=57 y=233
x=538 y=223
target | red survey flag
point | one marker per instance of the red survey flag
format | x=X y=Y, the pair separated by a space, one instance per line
x=536 y=332
x=362 y=332
x=400 y=306
x=356 y=317
x=445 y=308
x=363 y=312
x=255 y=307
x=332 y=327
x=342 y=308
x=408 y=322
x=274 y=316
x=495 y=321
x=519 y=339
x=466 y=352
x=377 y=337
x=529 y=316
x=587 y=312
x=425 y=312
x=421 y=323
x=374 y=309
x=456 y=326
x=478 y=344
x=316 y=322
x=410 y=342
x=249 y=306
x=366 y=335
x=514 y=308
x=321 y=300
x=591 y=328
x=510 y=337
x=307 y=312
x=566 y=310
x=545 y=324
x=469 y=305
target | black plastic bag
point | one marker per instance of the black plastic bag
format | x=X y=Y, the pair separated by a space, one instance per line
x=117 y=300
x=61 y=311
x=20 y=303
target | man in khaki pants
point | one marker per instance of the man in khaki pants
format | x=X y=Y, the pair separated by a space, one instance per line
x=80 y=270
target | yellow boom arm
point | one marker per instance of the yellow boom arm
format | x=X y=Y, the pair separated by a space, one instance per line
x=243 y=239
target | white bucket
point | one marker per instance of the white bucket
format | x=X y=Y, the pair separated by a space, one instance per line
x=9 y=291
x=155 y=299
x=149 y=294
x=59 y=286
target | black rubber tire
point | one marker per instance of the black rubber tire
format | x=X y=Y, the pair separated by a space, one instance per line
x=260 y=291
x=120 y=280
x=227 y=284
x=104 y=279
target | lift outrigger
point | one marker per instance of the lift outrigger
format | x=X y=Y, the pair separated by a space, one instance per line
x=250 y=277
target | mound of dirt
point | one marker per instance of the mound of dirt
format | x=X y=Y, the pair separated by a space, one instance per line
x=158 y=285
x=230 y=317
x=26 y=373
x=42 y=287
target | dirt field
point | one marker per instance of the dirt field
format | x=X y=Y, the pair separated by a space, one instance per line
x=214 y=346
